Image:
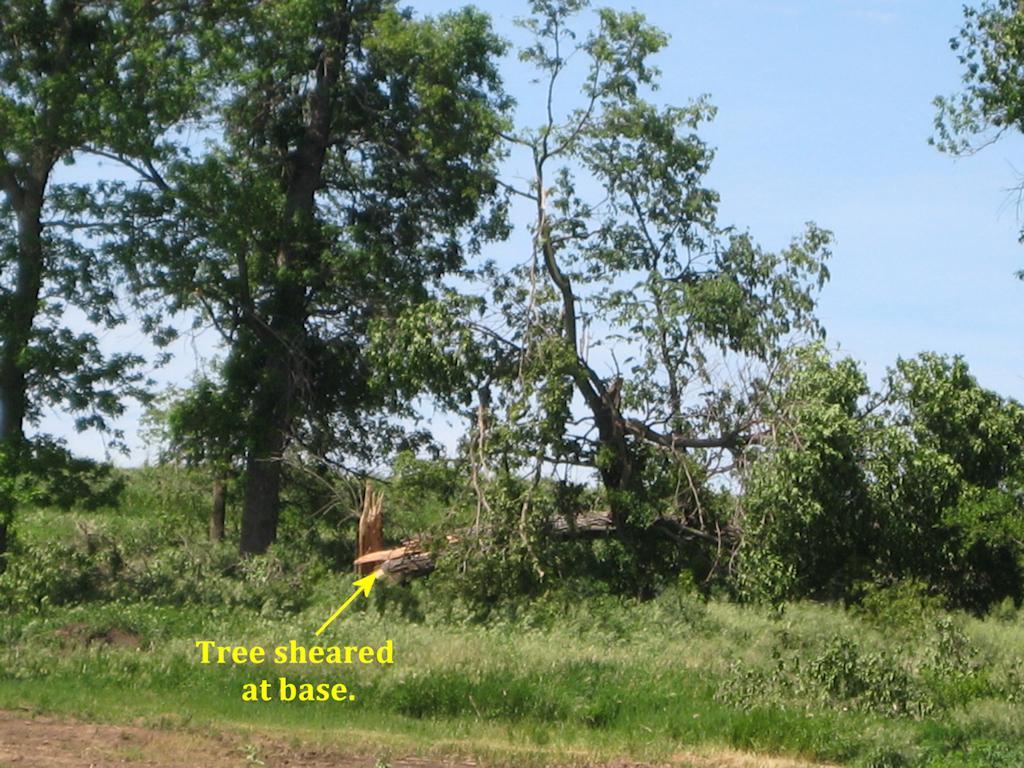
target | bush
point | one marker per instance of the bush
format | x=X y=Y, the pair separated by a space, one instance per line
x=97 y=568
x=57 y=574
x=806 y=527
x=940 y=675
x=904 y=607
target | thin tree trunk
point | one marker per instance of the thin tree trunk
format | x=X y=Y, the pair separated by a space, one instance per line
x=220 y=497
x=18 y=312
x=17 y=317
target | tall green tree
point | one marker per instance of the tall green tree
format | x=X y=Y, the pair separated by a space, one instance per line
x=76 y=76
x=355 y=149
x=806 y=523
x=202 y=427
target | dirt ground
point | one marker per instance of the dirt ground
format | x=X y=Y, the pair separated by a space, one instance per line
x=47 y=742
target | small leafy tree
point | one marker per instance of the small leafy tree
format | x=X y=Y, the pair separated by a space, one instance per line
x=948 y=474
x=203 y=427
x=806 y=518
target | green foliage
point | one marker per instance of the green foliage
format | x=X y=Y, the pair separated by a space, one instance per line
x=430 y=347
x=627 y=252
x=572 y=665
x=424 y=120
x=51 y=476
x=54 y=574
x=806 y=523
x=938 y=672
x=919 y=482
x=203 y=426
x=990 y=48
x=150 y=548
x=946 y=409
x=351 y=169
x=947 y=468
x=509 y=558
x=75 y=77
x=424 y=495
x=8 y=502
x=46 y=474
x=98 y=568
x=572 y=671
x=905 y=607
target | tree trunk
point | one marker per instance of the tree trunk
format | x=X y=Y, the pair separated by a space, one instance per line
x=280 y=352
x=220 y=497
x=261 y=504
x=276 y=354
x=12 y=399
x=17 y=317
x=18 y=312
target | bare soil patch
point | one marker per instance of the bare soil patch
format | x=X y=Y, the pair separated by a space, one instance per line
x=48 y=742
x=80 y=634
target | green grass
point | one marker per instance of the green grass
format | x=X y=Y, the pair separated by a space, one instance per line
x=544 y=689
x=556 y=678
x=632 y=683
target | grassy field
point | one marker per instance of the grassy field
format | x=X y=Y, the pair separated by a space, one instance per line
x=559 y=679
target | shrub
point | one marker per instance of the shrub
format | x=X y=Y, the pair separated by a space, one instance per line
x=56 y=574
x=904 y=607
x=806 y=528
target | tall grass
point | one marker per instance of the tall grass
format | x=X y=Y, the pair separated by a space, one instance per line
x=902 y=683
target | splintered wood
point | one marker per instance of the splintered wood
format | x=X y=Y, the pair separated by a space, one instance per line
x=410 y=560
x=371 y=528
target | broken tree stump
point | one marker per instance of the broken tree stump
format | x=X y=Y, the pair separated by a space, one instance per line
x=371 y=528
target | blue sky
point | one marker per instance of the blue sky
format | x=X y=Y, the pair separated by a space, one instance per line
x=824 y=114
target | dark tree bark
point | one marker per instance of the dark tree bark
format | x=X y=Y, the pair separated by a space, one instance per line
x=261 y=503
x=17 y=317
x=220 y=497
x=18 y=313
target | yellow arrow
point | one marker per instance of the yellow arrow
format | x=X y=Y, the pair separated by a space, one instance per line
x=363 y=585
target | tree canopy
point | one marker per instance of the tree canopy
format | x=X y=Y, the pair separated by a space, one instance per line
x=604 y=347
x=354 y=162
x=75 y=78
